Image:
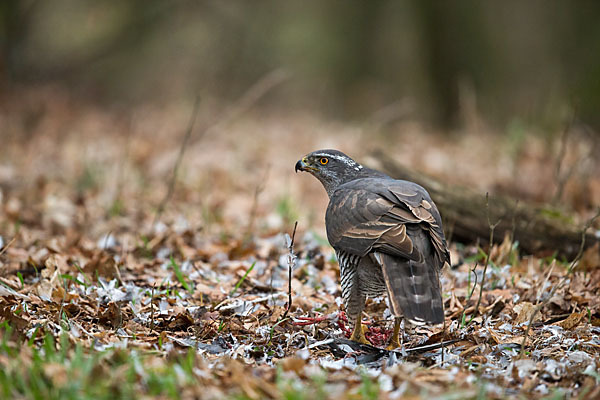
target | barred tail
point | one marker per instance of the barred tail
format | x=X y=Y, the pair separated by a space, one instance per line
x=413 y=288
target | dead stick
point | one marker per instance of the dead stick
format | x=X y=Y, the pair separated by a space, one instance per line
x=572 y=266
x=3 y=249
x=244 y=103
x=254 y=93
x=465 y=309
x=254 y=209
x=152 y=309
x=487 y=257
x=562 y=178
x=186 y=138
x=291 y=263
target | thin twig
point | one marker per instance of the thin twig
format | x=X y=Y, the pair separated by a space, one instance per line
x=121 y=168
x=474 y=272
x=443 y=339
x=258 y=90
x=291 y=264
x=152 y=309
x=173 y=180
x=254 y=209
x=487 y=257
x=444 y=315
x=562 y=178
x=514 y=224
x=560 y=284
x=3 y=249
x=244 y=103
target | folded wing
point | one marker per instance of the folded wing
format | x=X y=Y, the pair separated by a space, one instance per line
x=373 y=214
x=396 y=224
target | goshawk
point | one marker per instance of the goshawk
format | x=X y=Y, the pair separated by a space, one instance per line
x=387 y=235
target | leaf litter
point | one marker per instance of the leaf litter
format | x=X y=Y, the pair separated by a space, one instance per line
x=205 y=307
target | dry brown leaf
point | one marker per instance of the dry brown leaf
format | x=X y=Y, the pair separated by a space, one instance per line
x=49 y=287
x=590 y=259
x=181 y=322
x=524 y=311
x=104 y=265
x=500 y=253
x=16 y=321
x=293 y=364
x=572 y=321
x=517 y=340
x=112 y=316
x=54 y=263
x=6 y=291
x=479 y=359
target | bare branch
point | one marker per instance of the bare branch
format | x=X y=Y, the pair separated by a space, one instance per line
x=291 y=264
x=562 y=178
x=254 y=209
x=172 y=181
x=152 y=309
x=487 y=257
x=247 y=100
x=3 y=249
x=474 y=272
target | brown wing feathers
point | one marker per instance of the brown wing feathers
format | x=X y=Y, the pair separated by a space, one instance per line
x=401 y=230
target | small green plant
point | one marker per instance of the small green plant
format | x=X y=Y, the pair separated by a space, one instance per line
x=369 y=389
x=20 y=276
x=67 y=277
x=237 y=285
x=181 y=278
x=66 y=371
x=145 y=249
x=116 y=208
x=89 y=178
x=287 y=210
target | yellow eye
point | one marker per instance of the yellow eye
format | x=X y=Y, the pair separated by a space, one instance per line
x=324 y=161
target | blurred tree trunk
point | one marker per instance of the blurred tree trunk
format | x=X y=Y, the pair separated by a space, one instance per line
x=440 y=58
x=15 y=22
x=456 y=48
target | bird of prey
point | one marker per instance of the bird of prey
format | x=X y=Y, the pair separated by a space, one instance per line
x=387 y=235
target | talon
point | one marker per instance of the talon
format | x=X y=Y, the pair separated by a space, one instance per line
x=358 y=334
x=395 y=342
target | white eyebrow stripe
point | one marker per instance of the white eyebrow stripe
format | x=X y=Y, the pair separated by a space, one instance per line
x=343 y=159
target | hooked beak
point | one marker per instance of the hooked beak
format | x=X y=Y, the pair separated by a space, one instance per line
x=301 y=165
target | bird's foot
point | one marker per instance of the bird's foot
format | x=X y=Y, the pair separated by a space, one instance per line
x=395 y=341
x=358 y=334
x=394 y=344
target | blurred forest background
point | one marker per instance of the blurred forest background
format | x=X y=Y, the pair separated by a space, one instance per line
x=439 y=61
x=137 y=220
x=496 y=95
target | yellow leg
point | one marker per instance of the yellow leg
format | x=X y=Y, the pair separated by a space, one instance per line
x=358 y=334
x=394 y=342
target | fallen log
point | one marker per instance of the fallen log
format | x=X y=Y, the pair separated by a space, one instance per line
x=537 y=228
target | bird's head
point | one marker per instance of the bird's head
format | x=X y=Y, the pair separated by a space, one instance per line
x=331 y=167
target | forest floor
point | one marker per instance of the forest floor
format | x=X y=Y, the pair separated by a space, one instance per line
x=103 y=295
